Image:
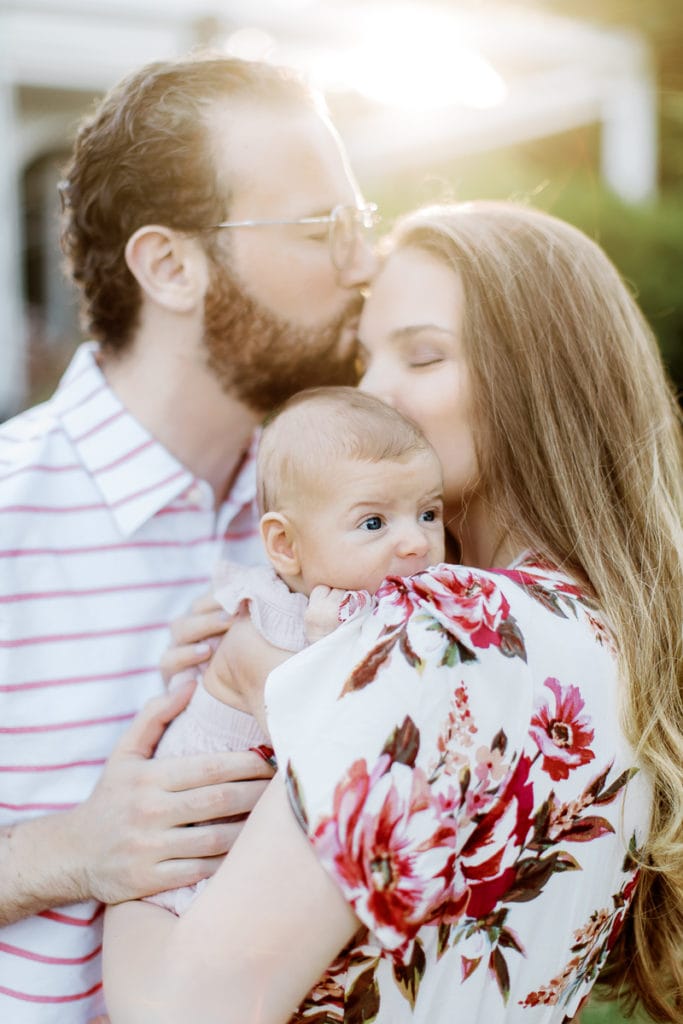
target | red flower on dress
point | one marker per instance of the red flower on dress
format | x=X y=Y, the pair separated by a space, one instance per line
x=470 y=605
x=353 y=603
x=531 y=579
x=396 y=594
x=488 y=858
x=391 y=849
x=562 y=736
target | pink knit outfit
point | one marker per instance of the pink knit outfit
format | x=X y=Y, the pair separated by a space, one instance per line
x=208 y=725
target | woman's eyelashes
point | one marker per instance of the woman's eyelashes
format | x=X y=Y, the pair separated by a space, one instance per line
x=421 y=357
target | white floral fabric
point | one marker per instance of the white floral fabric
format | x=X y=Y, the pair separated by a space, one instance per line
x=455 y=756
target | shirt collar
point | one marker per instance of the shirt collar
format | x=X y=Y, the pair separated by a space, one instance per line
x=134 y=473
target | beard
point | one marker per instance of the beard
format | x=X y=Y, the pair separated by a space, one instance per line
x=263 y=359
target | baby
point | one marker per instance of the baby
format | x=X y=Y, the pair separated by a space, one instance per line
x=350 y=492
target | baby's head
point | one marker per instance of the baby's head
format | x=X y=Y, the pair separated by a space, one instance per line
x=349 y=490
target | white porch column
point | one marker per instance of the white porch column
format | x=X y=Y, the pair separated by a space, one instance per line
x=629 y=126
x=13 y=377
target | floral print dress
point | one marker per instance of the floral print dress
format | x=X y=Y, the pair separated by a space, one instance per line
x=455 y=757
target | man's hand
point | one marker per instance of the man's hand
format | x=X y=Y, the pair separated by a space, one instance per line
x=195 y=636
x=132 y=828
x=129 y=839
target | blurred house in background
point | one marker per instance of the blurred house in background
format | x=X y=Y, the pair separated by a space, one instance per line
x=410 y=85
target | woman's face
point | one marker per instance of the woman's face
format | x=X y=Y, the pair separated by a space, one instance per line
x=410 y=335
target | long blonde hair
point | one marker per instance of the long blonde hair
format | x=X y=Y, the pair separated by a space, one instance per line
x=579 y=438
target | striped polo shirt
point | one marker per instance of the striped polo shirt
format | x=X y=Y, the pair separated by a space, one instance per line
x=104 y=538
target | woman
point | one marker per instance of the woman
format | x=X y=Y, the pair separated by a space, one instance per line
x=488 y=765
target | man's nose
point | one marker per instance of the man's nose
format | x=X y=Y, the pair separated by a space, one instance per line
x=362 y=266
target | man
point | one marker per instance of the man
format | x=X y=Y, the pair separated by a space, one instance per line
x=215 y=231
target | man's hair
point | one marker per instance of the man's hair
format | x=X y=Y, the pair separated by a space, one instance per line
x=303 y=439
x=580 y=451
x=146 y=156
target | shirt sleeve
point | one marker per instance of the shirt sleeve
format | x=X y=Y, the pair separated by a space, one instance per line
x=390 y=731
x=455 y=758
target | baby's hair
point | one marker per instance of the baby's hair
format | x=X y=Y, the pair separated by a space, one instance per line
x=303 y=437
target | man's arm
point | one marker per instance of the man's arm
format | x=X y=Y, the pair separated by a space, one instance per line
x=127 y=839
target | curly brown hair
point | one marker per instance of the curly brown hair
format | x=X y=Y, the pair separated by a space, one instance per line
x=145 y=157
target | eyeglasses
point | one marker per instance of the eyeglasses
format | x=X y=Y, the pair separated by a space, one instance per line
x=347 y=225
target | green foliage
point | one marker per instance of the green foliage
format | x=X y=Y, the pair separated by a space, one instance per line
x=600 y=1011
x=559 y=175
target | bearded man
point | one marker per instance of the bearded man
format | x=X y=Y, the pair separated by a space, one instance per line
x=217 y=236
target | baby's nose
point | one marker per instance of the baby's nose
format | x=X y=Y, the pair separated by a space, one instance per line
x=412 y=541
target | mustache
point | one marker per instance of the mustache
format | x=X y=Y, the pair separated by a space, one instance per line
x=353 y=310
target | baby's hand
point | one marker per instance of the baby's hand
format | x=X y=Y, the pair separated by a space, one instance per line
x=194 y=638
x=322 y=614
x=237 y=673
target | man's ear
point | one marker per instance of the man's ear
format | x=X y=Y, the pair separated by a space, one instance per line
x=279 y=540
x=167 y=266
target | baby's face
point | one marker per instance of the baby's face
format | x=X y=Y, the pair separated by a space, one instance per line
x=371 y=520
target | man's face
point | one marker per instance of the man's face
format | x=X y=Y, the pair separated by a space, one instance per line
x=263 y=359
x=278 y=315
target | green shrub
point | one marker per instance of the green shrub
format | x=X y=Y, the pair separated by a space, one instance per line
x=645 y=242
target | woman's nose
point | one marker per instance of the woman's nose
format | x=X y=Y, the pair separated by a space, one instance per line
x=376 y=383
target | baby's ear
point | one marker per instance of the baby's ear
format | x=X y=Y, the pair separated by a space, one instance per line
x=278 y=536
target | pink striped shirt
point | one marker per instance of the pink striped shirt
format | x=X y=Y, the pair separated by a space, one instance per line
x=104 y=538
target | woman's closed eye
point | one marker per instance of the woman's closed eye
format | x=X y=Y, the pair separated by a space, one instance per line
x=424 y=357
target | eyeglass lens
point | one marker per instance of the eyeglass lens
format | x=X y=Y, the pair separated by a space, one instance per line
x=347 y=226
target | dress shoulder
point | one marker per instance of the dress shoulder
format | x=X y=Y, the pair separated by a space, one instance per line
x=455 y=757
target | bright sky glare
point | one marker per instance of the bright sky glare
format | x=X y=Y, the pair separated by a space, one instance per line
x=415 y=58
x=407 y=56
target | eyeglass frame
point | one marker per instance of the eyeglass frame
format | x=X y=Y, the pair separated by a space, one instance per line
x=366 y=217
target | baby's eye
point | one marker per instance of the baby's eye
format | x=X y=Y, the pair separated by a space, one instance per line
x=372 y=523
x=430 y=515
